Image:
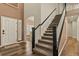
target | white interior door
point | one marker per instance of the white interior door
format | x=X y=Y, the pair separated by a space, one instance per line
x=8 y=30
x=4 y=36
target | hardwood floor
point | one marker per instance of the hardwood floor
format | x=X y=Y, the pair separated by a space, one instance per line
x=28 y=48
x=16 y=49
x=77 y=48
x=70 y=48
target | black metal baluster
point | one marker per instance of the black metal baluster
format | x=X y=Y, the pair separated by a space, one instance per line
x=33 y=38
x=55 y=49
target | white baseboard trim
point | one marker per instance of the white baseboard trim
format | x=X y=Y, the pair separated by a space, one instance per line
x=62 y=48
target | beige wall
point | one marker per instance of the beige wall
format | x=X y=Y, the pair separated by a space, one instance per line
x=6 y=10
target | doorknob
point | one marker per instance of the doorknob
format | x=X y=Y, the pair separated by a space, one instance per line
x=3 y=32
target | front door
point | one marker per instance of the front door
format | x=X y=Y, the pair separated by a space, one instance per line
x=8 y=30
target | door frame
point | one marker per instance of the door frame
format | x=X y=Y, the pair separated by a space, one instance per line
x=17 y=29
x=21 y=31
x=0 y=29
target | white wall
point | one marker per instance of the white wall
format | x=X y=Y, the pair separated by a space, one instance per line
x=32 y=9
x=46 y=9
x=71 y=6
x=60 y=7
x=69 y=30
x=72 y=27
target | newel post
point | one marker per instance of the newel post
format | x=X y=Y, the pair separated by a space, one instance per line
x=33 y=38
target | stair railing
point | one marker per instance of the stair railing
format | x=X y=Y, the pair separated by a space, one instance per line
x=57 y=32
x=33 y=29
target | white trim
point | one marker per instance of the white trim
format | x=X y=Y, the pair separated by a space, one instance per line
x=63 y=47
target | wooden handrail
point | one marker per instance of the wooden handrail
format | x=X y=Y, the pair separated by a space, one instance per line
x=45 y=19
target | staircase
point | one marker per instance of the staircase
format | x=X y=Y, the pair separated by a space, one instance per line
x=44 y=47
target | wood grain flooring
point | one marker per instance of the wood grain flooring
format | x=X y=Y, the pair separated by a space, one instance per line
x=70 y=48
x=17 y=49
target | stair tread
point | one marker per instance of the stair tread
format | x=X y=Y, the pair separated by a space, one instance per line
x=49 y=30
x=48 y=36
x=41 y=51
x=48 y=33
x=46 y=41
x=45 y=45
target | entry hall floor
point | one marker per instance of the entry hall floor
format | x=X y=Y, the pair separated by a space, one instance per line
x=71 y=48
